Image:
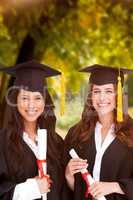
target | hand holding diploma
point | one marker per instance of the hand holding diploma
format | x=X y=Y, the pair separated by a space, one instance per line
x=41 y=161
x=86 y=175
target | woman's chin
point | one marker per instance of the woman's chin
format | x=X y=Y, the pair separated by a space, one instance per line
x=104 y=112
x=31 y=119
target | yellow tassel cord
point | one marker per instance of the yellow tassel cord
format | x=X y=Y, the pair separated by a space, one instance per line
x=119 y=101
x=62 y=105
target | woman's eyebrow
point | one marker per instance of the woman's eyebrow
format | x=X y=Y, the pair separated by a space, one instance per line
x=37 y=96
x=24 y=95
x=96 y=88
x=105 y=89
x=109 y=88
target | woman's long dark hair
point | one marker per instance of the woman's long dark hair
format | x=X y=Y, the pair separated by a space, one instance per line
x=14 y=126
x=83 y=130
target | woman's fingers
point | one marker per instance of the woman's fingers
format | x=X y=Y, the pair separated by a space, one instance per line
x=76 y=165
x=44 y=183
x=99 y=189
x=77 y=162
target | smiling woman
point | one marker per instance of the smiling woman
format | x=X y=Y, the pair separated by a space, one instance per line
x=105 y=145
x=30 y=108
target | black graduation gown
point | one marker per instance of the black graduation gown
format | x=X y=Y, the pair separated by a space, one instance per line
x=27 y=170
x=117 y=165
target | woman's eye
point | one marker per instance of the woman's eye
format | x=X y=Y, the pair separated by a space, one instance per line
x=109 y=92
x=24 y=98
x=38 y=98
x=96 y=92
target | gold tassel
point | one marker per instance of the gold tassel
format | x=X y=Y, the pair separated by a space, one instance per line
x=62 y=105
x=119 y=101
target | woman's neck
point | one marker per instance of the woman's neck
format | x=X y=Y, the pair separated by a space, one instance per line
x=106 y=120
x=30 y=129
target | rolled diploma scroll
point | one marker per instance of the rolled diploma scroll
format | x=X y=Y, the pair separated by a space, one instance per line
x=42 y=152
x=91 y=181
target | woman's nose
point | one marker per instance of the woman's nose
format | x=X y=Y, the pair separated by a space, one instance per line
x=31 y=103
x=102 y=96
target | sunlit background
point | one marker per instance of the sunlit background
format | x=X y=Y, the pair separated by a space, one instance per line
x=68 y=35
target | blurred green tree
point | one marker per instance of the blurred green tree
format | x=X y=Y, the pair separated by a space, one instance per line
x=67 y=34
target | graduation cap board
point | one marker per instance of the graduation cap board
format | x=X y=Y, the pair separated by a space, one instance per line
x=31 y=75
x=102 y=74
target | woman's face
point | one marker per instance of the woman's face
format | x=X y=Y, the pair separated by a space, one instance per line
x=103 y=98
x=30 y=105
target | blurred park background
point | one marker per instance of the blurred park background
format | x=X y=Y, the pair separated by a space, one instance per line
x=68 y=35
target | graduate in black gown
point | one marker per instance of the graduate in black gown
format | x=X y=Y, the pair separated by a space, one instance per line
x=29 y=107
x=103 y=141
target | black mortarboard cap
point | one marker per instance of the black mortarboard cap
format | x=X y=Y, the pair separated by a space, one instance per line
x=30 y=75
x=102 y=74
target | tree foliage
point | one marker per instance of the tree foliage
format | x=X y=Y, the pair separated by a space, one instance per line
x=69 y=34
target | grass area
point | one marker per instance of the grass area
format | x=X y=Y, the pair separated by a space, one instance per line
x=130 y=111
x=73 y=110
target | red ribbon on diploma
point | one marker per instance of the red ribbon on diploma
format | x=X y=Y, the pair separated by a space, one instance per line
x=40 y=164
x=84 y=176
